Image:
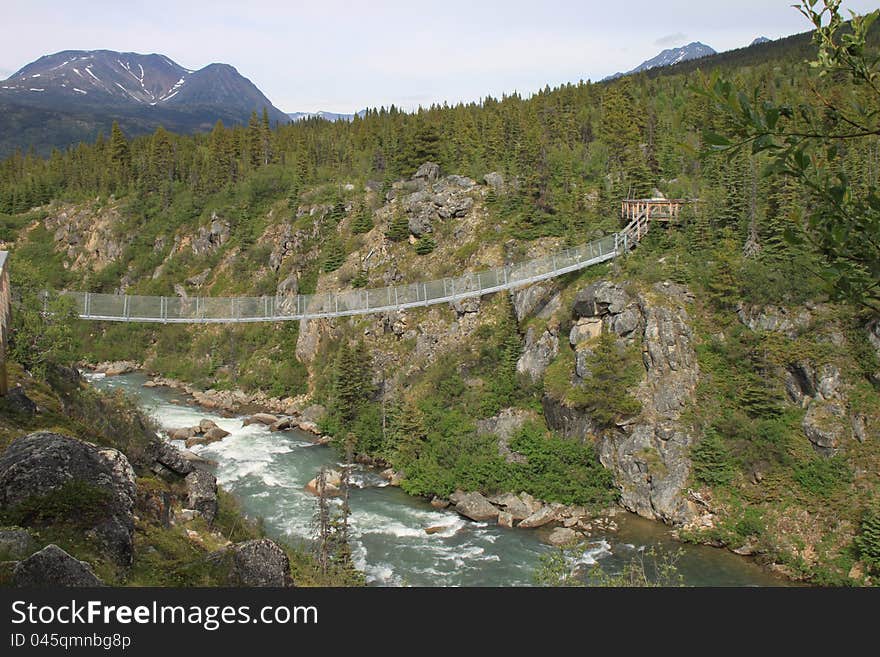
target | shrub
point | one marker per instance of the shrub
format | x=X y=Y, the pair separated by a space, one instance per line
x=712 y=461
x=868 y=541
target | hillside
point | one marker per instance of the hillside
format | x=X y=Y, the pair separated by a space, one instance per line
x=71 y=96
x=704 y=381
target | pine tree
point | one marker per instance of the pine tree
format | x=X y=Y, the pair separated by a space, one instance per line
x=399 y=228
x=120 y=156
x=425 y=244
x=363 y=222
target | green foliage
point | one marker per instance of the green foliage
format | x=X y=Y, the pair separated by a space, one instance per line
x=649 y=568
x=363 y=221
x=333 y=255
x=425 y=245
x=712 y=461
x=76 y=502
x=398 y=230
x=807 y=143
x=42 y=338
x=822 y=477
x=614 y=369
x=868 y=540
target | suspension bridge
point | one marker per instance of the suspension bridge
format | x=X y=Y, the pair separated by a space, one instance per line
x=639 y=213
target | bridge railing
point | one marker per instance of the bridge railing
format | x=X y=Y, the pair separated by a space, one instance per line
x=135 y=308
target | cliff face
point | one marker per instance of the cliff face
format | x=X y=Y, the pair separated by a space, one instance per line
x=648 y=453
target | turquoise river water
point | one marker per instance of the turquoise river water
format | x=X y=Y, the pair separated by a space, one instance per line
x=267 y=473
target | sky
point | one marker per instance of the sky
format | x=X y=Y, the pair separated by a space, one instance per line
x=343 y=56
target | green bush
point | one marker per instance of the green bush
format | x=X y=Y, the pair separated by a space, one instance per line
x=425 y=245
x=822 y=477
x=868 y=540
x=712 y=461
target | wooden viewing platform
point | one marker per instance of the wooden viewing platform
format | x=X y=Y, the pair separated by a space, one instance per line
x=659 y=209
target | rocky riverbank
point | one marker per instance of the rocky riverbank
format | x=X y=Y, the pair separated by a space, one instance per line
x=278 y=413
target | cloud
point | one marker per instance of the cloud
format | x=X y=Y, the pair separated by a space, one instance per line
x=675 y=39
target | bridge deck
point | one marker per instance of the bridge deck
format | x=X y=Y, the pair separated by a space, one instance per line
x=207 y=310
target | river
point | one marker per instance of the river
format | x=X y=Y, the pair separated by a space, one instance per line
x=267 y=473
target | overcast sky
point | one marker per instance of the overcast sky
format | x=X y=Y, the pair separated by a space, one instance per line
x=343 y=56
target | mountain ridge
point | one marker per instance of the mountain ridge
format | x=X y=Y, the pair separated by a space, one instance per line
x=669 y=57
x=81 y=92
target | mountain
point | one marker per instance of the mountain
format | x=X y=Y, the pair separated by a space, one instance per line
x=759 y=41
x=327 y=116
x=671 y=56
x=72 y=95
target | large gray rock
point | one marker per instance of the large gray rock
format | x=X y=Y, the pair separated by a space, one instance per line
x=495 y=180
x=513 y=505
x=260 y=562
x=473 y=506
x=670 y=360
x=15 y=544
x=567 y=421
x=538 y=352
x=651 y=466
x=774 y=319
x=540 y=300
x=52 y=567
x=825 y=426
x=39 y=463
x=584 y=330
x=201 y=493
x=562 y=536
x=543 y=516
x=18 y=402
x=453 y=205
x=211 y=237
x=600 y=299
x=429 y=172
x=170 y=457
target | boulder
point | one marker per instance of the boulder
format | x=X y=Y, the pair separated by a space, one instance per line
x=544 y=515
x=562 y=536
x=505 y=519
x=531 y=503
x=211 y=237
x=18 y=402
x=15 y=544
x=495 y=180
x=600 y=299
x=38 y=464
x=584 y=330
x=171 y=457
x=214 y=434
x=466 y=306
x=201 y=493
x=540 y=299
x=537 y=354
x=121 y=367
x=439 y=503
x=332 y=484
x=824 y=425
x=429 y=172
x=513 y=506
x=184 y=433
x=52 y=567
x=206 y=425
x=774 y=319
x=260 y=562
x=473 y=506
x=504 y=426
x=453 y=206
x=436 y=529
x=281 y=425
x=260 y=418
